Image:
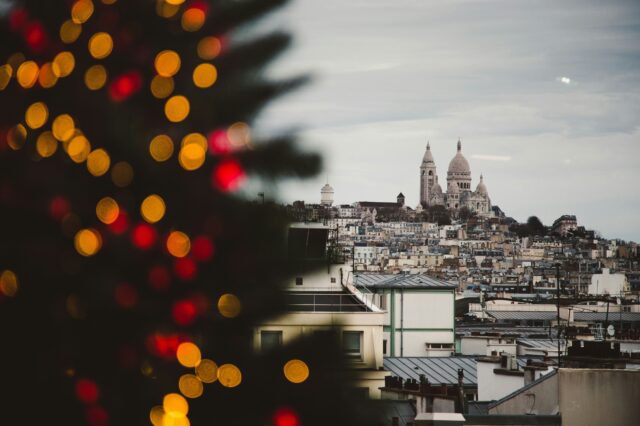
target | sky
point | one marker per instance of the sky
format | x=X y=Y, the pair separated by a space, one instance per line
x=545 y=96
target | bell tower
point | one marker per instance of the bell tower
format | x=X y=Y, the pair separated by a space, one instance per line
x=428 y=176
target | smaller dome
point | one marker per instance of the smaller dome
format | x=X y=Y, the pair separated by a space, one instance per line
x=437 y=189
x=428 y=157
x=327 y=188
x=481 y=188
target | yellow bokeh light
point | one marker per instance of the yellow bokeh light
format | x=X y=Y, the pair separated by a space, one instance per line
x=95 y=77
x=88 y=242
x=16 y=137
x=177 y=108
x=161 y=148
x=239 y=135
x=175 y=405
x=207 y=371
x=78 y=149
x=188 y=354
x=167 y=63
x=121 y=174
x=46 y=144
x=181 y=421
x=98 y=162
x=81 y=11
x=63 y=127
x=70 y=31
x=204 y=75
x=100 y=45
x=152 y=208
x=27 y=74
x=296 y=371
x=156 y=414
x=174 y=2
x=165 y=9
x=36 y=115
x=191 y=157
x=6 y=71
x=48 y=76
x=192 y=19
x=161 y=87
x=229 y=375
x=107 y=210
x=178 y=244
x=229 y=305
x=64 y=64
x=190 y=386
x=195 y=138
x=209 y=48
x=8 y=283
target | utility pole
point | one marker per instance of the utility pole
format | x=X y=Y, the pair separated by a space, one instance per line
x=558 y=309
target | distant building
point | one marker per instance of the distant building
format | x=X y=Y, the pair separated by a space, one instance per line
x=459 y=193
x=607 y=283
x=326 y=195
x=564 y=224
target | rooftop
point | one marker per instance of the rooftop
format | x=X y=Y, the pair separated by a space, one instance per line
x=416 y=281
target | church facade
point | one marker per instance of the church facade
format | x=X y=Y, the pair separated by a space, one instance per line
x=459 y=193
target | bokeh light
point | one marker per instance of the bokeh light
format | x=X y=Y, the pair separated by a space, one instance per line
x=107 y=210
x=6 y=71
x=228 y=175
x=184 y=312
x=190 y=386
x=185 y=268
x=98 y=162
x=159 y=277
x=8 y=283
x=70 y=31
x=156 y=415
x=188 y=354
x=121 y=174
x=79 y=149
x=27 y=74
x=95 y=77
x=88 y=242
x=174 y=2
x=36 y=115
x=161 y=148
x=152 y=208
x=296 y=371
x=48 y=76
x=191 y=157
x=285 y=416
x=167 y=63
x=64 y=63
x=125 y=85
x=81 y=11
x=63 y=127
x=16 y=137
x=229 y=305
x=239 y=135
x=59 y=207
x=202 y=248
x=46 y=144
x=96 y=416
x=175 y=405
x=204 y=75
x=229 y=375
x=207 y=371
x=178 y=244
x=166 y=9
x=192 y=19
x=100 y=45
x=87 y=391
x=144 y=236
x=195 y=138
x=209 y=48
x=177 y=108
x=121 y=224
x=162 y=87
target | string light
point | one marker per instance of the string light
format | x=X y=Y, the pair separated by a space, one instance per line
x=64 y=63
x=152 y=208
x=48 y=76
x=121 y=174
x=207 y=371
x=95 y=77
x=229 y=305
x=161 y=148
x=16 y=137
x=36 y=115
x=177 y=108
x=70 y=31
x=209 y=48
x=175 y=405
x=46 y=144
x=190 y=386
x=178 y=244
x=63 y=127
x=191 y=157
x=98 y=162
x=88 y=242
x=296 y=371
x=229 y=375
x=81 y=11
x=6 y=71
x=27 y=74
x=204 y=75
x=192 y=19
x=100 y=45
x=161 y=87
x=79 y=149
x=8 y=283
x=107 y=210
x=167 y=63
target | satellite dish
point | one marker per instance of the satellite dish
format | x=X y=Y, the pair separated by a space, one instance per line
x=610 y=330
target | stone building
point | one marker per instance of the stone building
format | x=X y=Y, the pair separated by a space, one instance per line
x=459 y=193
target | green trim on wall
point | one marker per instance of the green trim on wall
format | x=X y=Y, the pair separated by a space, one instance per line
x=386 y=328
x=392 y=312
x=425 y=329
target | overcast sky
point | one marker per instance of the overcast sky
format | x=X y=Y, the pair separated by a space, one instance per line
x=545 y=96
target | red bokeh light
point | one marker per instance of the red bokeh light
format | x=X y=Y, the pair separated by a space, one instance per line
x=219 y=142
x=159 y=277
x=125 y=85
x=18 y=19
x=97 y=416
x=59 y=207
x=35 y=36
x=87 y=391
x=184 y=312
x=199 y=4
x=144 y=236
x=185 y=268
x=126 y=295
x=285 y=416
x=165 y=345
x=228 y=175
x=202 y=248
x=121 y=224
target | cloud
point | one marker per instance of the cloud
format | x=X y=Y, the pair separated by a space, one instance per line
x=491 y=157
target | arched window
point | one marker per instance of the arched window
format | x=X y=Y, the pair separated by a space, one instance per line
x=430 y=172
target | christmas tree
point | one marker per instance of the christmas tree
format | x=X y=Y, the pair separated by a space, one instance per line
x=132 y=274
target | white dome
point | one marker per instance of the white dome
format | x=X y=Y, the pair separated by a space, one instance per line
x=428 y=157
x=459 y=164
x=326 y=188
x=481 y=188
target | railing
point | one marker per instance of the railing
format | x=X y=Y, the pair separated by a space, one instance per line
x=325 y=302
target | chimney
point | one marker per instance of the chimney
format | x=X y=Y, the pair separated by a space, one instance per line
x=461 y=397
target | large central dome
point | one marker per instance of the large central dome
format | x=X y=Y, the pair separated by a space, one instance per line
x=459 y=164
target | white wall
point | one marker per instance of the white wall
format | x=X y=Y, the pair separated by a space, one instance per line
x=424 y=310
x=493 y=386
x=607 y=283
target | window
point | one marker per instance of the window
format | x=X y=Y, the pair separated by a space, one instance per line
x=333 y=280
x=352 y=344
x=270 y=340
x=384 y=346
x=298 y=280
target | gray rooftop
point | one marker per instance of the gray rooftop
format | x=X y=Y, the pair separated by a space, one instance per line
x=417 y=281
x=544 y=344
x=523 y=315
x=602 y=316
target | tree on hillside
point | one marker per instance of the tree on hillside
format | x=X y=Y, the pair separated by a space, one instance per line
x=131 y=274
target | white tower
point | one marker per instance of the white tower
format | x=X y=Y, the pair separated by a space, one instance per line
x=326 y=195
x=428 y=176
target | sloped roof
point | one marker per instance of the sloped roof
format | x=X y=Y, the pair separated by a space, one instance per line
x=416 y=281
x=438 y=370
x=523 y=315
x=602 y=316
